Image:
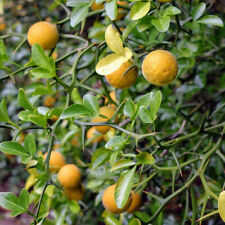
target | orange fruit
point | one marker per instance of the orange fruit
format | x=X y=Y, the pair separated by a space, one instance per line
x=69 y=176
x=55 y=146
x=121 y=14
x=94 y=135
x=76 y=193
x=135 y=203
x=56 y=161
x=119 y=79
x=49 y=101
x=160 y=67
x=96 y=6
x=109 y=202
x=112 y=94
x=43 y=33
x=106 y=111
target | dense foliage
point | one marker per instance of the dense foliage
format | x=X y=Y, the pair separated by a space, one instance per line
x=163 y=142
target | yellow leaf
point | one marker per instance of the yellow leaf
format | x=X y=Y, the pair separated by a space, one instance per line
x=109 y=64
x=113 y=40
x=221 y=205
x=128 y=54
x=31 y=181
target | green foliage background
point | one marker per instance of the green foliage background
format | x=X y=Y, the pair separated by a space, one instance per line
x=173 y=154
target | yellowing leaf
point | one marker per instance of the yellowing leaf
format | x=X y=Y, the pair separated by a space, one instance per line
x=109 y=64
x=31 y=181
x=127 y=53
x=113 y=40
x=221 y=205
x=139 y=10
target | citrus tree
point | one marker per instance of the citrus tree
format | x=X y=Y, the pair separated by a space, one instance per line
x=115 y=110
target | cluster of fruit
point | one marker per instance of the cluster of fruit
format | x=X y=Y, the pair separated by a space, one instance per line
x=69 y=176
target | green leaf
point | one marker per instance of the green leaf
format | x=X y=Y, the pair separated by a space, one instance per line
x=3 y=53
x=13 y=148
x=129 y=108
x=43 y=73
x=139 y=10
x=198 y=11
x=155 y=102
x=24 y=115
x=143 y=216
x=39 y=120
x=39 y=57
x=4 y=117
x=170 y=11
x=79 y=14
x=145 y=115
x=74 y=111
x=111 y=9
x=211 y=20
x=43 y=90
x=24 y=198
x=99 y=157
x=145 y=158
x=11 y=202
x=135 y=221
x=124 y=187
x=129 y=27
x=77 y=3
x=91 y=103
x=109 y=220
x=162 y=23
x=75 y=96
x=23 y=100
x=144 y=100
x=30 y=144
x=115 y=142
x=122 y=164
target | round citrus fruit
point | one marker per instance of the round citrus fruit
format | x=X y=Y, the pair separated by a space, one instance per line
x=106 y=112
x=122 y=79
x=56 y=161
x=121 y=12
x=160 y=67
x=76 y=194
x=49 y=101
x=109 y=202
x=113 y=97
x=96 y=6
x=135 y=203
x=94 y=135
x=43 y=33
x=69 y=176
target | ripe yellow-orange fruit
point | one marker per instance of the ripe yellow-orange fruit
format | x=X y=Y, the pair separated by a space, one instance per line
x=96 y=6
x=109 y=202
x=76 y=194
x=56 y=161
x=112 y=94
x=119 y=79
x=108 y=113
x=55 y=146
x=43 y=33
x=22 y=137
x=49 y=101
x=165 y=0
x=135 y=203
x=121 y=14
x=94 y=135
x=160 y=67
x=2 y=26
x=69 y=176
x=75 y=140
